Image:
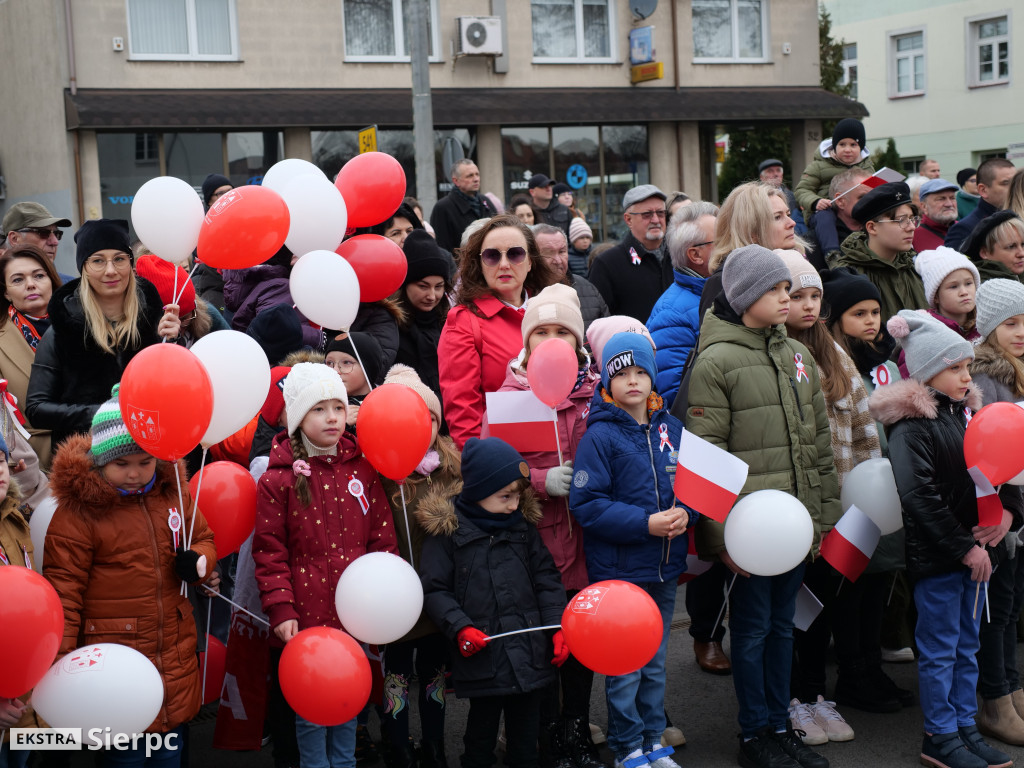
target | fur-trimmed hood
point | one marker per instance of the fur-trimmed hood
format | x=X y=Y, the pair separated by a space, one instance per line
x=436 y=511
x=989 y=362
x=910 y=399
x=78 y=485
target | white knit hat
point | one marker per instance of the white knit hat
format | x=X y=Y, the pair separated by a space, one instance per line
x=935 y=266
x=403 y=374
x=998 y=300
x=801 y=271
x=307 y=384
x=556 y=305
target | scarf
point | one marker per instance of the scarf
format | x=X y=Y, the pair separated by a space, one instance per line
x=24 y=323
x=488 y=522
x=654 y=402
x=867 y=355
x=476 y=205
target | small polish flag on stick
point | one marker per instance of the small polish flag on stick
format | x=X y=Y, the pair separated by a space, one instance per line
x=848 y=547
x=877 y=179
x=521 y=420
x=990 y=507
x=708 y=479
x=807 y=608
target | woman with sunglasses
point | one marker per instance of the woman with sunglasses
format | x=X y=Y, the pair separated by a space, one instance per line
x=499 y=270
x=98 y=323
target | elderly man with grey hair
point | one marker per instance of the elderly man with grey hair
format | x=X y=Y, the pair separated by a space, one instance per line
x=554 y=249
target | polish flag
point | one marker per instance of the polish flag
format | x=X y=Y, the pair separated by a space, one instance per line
x=990 y=507
x=694 y=565
x=807 y=609
x=848 y=547
x=521 y=420
x=708 y=479
x=884 y=176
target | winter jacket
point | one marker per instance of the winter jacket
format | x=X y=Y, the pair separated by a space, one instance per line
x=301 y=551
x=578 y=260
x=380 y=320
x=624 y=473
x=896 y=280
x=755 y=393
x=674 y=325
x=926 y=449
x=71 y=376
x=453 y=213
x=973 y=336
x=497 y=582
x=247 y=292
x=989 y=269
x=965 y=204
x=472 y=359
x=210 y=287
x=111 y=559
x=959 y=232
x=556 y=214
x=930 y=235
x=631 y=288
x=592 y=305
x=418 y=341
x=558 y=528
x=815 y=180
x=854 y=433
x=16 y=358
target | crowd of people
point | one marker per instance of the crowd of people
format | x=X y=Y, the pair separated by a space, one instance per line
x=804 y=332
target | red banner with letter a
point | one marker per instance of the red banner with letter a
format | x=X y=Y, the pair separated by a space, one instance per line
x=243 y=699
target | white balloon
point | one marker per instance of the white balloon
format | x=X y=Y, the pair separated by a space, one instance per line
x=240 y=378
x=167 y=214
x=37 y=526
x=318 y=214
x=281 y=173
x=768 y=533
x=872 y=488
x=379 y=598
x=325 y=289
x=101 y=686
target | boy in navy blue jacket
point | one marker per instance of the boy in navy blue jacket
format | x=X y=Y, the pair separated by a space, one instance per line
x=628 y=526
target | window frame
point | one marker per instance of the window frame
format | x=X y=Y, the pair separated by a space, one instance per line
x=766 y=38
x=973 y=60
x=193 y=37
x=892 y=58
x=613 y=48
x=399 y=27
x=850 y=65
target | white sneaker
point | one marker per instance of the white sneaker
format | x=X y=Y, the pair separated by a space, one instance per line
x=665 y=761
x=898 y=656
x=628 y=762
x=596 y=734
x=801 y=716
x=672 y=737
x=830 y=721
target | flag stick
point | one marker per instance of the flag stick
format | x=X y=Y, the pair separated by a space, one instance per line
x=842 y=579
x=988 y=614
x=521 y=631
x=725 y=602
x=891 y=590
x=181 y=505
x=206 y=656
x=405 y=513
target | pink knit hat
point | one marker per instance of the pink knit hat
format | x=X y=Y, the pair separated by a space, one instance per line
x=603 y=328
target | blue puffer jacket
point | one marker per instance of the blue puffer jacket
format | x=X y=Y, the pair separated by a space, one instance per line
x=613 y=494
x=674 y=324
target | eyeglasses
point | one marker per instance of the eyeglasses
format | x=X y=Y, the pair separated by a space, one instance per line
x=701 y=245
x=185 y=319
x=648 y=215
x=44 y=232
x=343 y=366
x=903 y=221
x=491 y=257
x=97 y=265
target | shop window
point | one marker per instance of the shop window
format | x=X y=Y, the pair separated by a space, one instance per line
x=199 y=30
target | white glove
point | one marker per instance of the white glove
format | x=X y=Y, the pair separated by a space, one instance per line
x=558 y=480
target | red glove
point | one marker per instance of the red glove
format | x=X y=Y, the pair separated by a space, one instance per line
x=471 y=640
x=561 y=649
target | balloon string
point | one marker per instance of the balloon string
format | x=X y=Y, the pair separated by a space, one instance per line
x=231 y=602
x=891 y=589
x=181 y=506
x=521 y=631
x=405 y=513
x=359 y=358
x=725 y=602
x=561 y=461
x=206 y=656
x=177 y=293
x=174 y=293
x=195 y=501
x=988 y=614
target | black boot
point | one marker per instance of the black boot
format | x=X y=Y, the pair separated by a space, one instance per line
x=366 y=750
x=579 y=745
x=432 y=755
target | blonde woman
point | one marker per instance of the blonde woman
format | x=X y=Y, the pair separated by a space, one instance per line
x=99 y=322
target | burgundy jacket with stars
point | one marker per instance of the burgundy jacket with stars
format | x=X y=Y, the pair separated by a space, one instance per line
x=301 y=551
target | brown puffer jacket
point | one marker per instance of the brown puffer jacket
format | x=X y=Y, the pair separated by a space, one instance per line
x=111 y=559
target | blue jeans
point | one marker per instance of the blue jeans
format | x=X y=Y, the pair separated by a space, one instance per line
x=322 y=746
x=761 y=612
x=947 y=636
x=163 y=757
x=636 y=702
x=13 y=758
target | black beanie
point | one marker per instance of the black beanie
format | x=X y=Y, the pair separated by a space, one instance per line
x=425 y=258
x=844 y=287
x=100 y=235
x=278 y=331
x=488 y=466
x=211 y=184
x=370 y=353
x=964 y=175
x=849 y=128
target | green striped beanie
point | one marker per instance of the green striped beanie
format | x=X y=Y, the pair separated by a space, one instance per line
x=110 y=437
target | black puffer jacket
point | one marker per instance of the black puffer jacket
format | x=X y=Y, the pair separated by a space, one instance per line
x=926 y=448
x=592 y=304
x=71 y=376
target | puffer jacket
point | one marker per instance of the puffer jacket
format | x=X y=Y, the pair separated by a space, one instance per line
x=558 y=528
x=815 y=180
x=674 y=325
x=926 y=449
x=749 y=396
x=111 y=559
x=624 y=473
x=592 y=304
x=497 y=582
x=380 y=319
x=896 y=280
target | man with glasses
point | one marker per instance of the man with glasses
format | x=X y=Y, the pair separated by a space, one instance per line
x=633 y=274
x=554 y=249
x=31 y=223
x=884 y=250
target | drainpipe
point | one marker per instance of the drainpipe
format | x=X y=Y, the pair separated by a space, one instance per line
x=73 y=81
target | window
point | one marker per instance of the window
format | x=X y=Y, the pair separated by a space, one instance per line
x=146 y=148
x=182 y=30
x=730 y=30
x=906 y=64
x=911 y=165
x=375 y=30
x=850 y=68
x=989 y=51
x=572 y=30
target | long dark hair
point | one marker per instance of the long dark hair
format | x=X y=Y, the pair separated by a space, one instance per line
x=24 y=251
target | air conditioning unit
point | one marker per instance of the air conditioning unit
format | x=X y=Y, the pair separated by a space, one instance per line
x=479 y=35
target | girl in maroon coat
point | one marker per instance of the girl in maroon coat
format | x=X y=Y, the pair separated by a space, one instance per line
x=321 y=505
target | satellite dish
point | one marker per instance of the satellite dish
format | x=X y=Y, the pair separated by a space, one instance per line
x=476 y=34
x=643 y=8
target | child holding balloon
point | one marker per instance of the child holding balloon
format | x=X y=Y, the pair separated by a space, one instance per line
x=926 y=417
x=320 y=506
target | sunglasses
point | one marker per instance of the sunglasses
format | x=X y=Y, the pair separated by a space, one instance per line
x=44 y=232
x=648 y=215
x=491 y=257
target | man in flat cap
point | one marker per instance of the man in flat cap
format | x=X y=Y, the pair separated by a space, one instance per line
x=32 y=224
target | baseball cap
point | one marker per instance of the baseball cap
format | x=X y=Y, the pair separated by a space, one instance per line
x=539 y=180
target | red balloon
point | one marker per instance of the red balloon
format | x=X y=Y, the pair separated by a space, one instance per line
x=992 y=442
x=213 y=660
x=552 y=370
x=612 y=627
x=228 y=502
x=33 y=621
x=166 y=400
x=394 y=430
x=244 y=228
x=379 y=263
x=373 y=185
x=325 y=676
